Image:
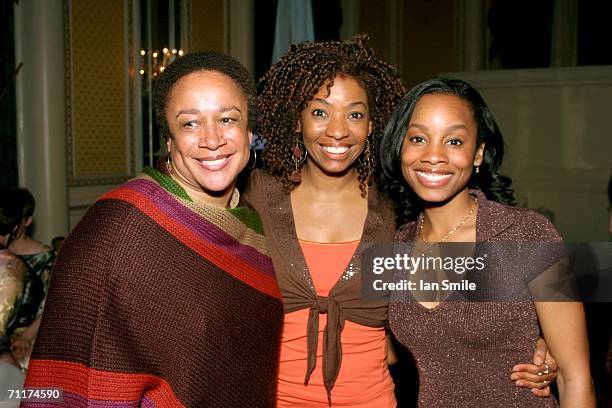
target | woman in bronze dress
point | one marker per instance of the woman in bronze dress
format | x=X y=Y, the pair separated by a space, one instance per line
x=441 y=153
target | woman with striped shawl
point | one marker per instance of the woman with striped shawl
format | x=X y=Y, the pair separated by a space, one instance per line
x=164 y=294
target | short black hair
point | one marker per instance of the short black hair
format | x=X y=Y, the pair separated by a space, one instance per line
x=195 y=62
x=495 y=186
x=26 y=202
x=10 y=212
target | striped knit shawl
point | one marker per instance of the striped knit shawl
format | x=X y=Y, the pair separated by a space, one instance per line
x=161 y=302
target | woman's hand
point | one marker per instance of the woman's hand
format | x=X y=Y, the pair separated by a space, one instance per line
x=564 y=327
x=21 y=347
x=390 y=349
x=538 y=375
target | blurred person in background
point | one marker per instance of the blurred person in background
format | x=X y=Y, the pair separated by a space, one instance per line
x=12 y=275
x=38 y=258
x=56 y=243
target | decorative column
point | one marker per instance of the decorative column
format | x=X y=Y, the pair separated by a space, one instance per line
x=241 y=31
x=394 y=14
x=41 y=112
x=564 y=39
x=473 y=34
x=351 y=16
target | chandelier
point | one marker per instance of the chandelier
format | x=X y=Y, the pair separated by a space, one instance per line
x=154 y=62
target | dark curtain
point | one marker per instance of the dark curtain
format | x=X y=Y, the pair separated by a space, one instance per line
x=327 y=20
x=521 y=31
x=8 y=124
x=594 y=45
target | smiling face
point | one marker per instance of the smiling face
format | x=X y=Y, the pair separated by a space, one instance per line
x=209 y=144
x=335 y=125
x=439 y=150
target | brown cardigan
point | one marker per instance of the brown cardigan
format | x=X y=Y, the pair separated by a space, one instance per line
x=272 y=201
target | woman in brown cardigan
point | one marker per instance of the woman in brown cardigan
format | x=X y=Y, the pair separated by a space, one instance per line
x=323 y=108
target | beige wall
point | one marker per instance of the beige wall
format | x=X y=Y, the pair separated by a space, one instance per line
x=554 y=121
x=555 y=124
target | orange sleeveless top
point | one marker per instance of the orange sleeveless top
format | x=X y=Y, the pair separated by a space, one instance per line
x=364 y=380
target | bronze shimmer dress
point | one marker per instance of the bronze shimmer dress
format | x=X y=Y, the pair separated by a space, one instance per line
x=465 y=351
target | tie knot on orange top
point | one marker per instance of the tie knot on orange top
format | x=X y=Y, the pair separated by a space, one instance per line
x=323 y=303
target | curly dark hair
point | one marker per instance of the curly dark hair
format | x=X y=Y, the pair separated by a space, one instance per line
x=495 y=186
x=288 y=86
x=201 y=61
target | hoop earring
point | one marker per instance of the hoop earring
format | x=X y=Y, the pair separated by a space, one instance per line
x=365 y=160
x=254 y=155
x=298 y=157
x=169 y=164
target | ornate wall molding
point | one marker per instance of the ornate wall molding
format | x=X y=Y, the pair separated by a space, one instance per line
x=535 y=77
x=99 y=150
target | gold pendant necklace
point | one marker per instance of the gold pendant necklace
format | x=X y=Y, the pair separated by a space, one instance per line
x=453 y=230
